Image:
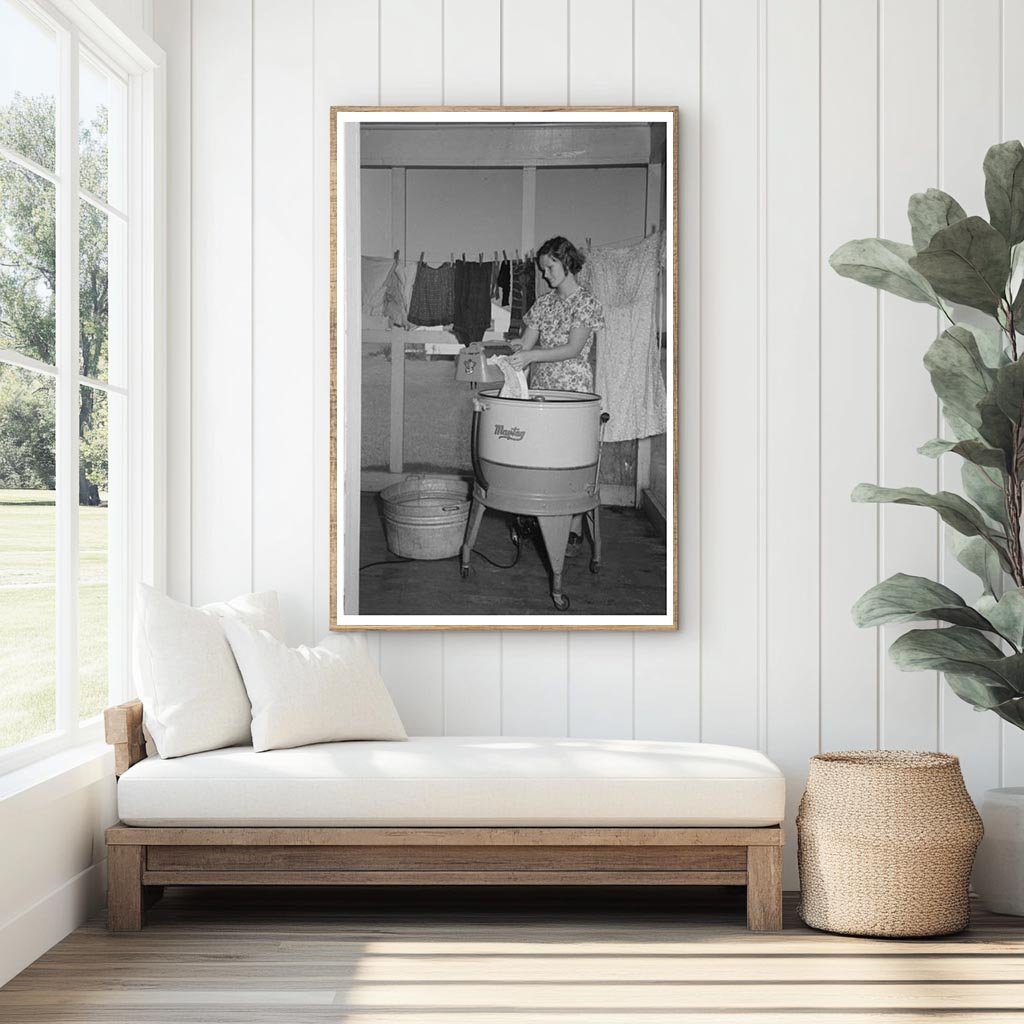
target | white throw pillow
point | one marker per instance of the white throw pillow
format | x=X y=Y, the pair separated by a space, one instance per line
x=309 y=694
x=192 y=693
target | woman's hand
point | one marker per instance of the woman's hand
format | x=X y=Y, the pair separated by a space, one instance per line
x=520 y=360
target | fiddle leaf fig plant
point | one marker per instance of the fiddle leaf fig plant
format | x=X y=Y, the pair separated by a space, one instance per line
x=978 y=376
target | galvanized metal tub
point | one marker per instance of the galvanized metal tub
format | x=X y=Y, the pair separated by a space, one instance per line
x=425 y=516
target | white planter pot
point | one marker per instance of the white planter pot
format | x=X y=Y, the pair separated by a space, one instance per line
x=998 y=877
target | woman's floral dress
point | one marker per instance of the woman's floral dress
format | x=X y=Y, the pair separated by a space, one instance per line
x=554 y=318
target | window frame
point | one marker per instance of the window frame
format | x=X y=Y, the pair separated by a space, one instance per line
x=139 y=63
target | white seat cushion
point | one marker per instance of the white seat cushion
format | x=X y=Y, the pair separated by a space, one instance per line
x=459 y=780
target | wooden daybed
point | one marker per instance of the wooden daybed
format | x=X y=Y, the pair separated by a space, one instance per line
x=143 y=858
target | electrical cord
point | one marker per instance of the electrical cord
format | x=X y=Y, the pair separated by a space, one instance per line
x=486 y=558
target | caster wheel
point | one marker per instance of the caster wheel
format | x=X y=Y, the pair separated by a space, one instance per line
x=561 y=602
x=595 y=567
x=464 y=571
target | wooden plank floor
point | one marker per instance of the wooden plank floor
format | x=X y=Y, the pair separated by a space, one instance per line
x=603 y=957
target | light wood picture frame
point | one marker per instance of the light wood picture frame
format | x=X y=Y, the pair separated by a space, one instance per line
x=454 y=508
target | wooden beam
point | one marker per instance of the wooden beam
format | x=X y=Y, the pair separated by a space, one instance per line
x=506 y=145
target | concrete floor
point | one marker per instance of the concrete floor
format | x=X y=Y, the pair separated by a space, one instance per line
x=631 y=581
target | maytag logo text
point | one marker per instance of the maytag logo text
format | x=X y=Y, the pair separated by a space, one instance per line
x=509 y=433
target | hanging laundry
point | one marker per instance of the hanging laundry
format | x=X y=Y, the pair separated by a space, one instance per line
x=433 y=296
x=383 y=290
x=524 y=294
x=503 y=284
x=472 y=301
x=629 y=378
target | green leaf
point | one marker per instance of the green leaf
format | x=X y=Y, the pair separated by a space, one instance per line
x=967 y=263
x=1006 y=614
x=1009 y=390
x=903 y=598
x=883 y=264
x=1004 y=189
x=930 y=212
x=976 y=555
x=986 y=488
x=990 y=345
x=954 y=510
x=980 y=692
x=958 y=372
x=973 y=451
x=995 y=428
x=962 y=430
x=964 y=652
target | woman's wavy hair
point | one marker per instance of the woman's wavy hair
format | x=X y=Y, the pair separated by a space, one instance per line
x=561 y=249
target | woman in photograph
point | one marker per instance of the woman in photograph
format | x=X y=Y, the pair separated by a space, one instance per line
x=559 y=327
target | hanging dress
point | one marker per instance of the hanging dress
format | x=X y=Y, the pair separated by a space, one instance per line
x=629 y=376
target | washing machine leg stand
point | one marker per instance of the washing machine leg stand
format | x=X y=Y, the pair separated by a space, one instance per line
x=476 y=514
x=593 y=521
x=555 y=531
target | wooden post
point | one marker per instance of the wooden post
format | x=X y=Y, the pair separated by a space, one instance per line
x=124 y=888
x=764 y=888
x=397 y=461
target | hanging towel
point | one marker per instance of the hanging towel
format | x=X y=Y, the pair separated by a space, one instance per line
x=524 y=294
x=629 y=377
x=433 y=296
x=384 y=290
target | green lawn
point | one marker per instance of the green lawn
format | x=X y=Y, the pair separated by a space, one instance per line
x=28 y=616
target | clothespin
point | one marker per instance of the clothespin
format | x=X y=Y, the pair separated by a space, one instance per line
x=495 y=255
x=451 y=257
x=504 y=255
x=463 y=257
x=517 y=254
x=422 y=254
x=397 y=251
x=653 y=228
x=588 y=241
x=481 y=257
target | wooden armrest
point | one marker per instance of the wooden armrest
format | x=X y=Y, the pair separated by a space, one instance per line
x=122 y=728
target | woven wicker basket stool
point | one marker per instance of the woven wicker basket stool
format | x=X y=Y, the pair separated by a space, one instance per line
x=886 y=840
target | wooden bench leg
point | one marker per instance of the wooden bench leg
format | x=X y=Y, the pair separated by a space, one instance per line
x=764 y=888
x=125 y=898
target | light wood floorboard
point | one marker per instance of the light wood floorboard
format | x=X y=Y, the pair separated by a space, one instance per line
x=497 y=956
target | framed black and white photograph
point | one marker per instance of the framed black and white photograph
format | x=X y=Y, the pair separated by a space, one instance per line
x=504 y=353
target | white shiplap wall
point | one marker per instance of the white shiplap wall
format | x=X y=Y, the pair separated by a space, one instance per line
x=804 y=123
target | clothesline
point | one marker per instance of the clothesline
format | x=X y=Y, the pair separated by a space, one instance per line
x=439 y=258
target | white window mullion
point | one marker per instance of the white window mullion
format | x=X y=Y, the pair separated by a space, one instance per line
x=67 y=386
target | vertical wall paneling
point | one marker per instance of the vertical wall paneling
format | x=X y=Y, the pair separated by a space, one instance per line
x=730 y=501
x=410 y=56
x=348 y=80
x=667 y=665
x=413 y=670
x=472 y=37
x=535 y=69
x=283 y=307
x=968 y=125
x=600 y=666
x=221 y=378
x=411 y=72
x=909 y=414
x=472 y=74
x=535 y=693
x=601 y=685
x=173 y=30
x=792 y=384
x=849 y=369
x=472 y=684
x=534 y=52
x=600 y=52
x=1012 y=127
